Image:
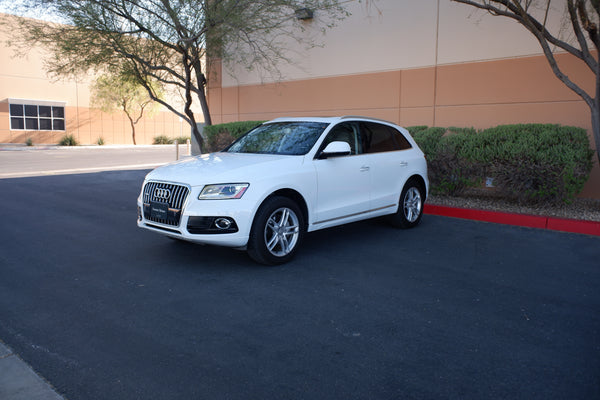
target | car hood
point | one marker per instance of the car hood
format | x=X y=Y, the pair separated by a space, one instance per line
x=223 y=168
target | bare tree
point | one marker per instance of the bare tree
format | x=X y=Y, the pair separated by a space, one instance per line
x=583 y=18
x=169 y=41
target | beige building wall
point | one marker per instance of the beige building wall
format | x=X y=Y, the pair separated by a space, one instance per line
x=25 y=78
x=427 y=62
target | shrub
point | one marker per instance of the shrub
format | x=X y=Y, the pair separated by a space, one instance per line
x=29 y=142
x=428 y=140
x=454 y=169
x=414 y=129
x=68 y=140
x=531 y=163
x=534 y=163
x=218 y=142
x=449 y=172
x=162 y=139
x=220 y=136
x=100 y=141
x=182 y=139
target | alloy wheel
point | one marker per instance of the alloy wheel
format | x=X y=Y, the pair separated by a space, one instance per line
x=282 y=231
x=412 y=204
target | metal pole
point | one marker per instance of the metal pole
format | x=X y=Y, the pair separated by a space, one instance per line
x=189 y=148
x=176 y=150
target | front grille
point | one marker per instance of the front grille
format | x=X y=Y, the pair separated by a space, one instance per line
x=163 y=202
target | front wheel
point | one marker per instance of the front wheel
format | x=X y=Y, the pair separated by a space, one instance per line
x=410 y=208
x=276 y=232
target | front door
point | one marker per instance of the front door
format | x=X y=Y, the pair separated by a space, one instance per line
x=343 y=182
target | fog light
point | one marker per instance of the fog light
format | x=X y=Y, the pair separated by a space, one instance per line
x=197 y=225
x=223 y=223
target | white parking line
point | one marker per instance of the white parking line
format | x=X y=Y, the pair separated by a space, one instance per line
x=24 y=174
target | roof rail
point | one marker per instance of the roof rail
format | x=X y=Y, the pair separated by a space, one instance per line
x=361 y=116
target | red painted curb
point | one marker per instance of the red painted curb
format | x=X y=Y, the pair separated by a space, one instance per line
x=529 y=221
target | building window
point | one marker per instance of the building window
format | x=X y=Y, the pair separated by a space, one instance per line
x=36 y=116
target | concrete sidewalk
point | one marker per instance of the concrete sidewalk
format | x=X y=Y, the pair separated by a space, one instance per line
x=18 y=381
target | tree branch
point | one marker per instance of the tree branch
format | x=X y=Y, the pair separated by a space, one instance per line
x=516 y=11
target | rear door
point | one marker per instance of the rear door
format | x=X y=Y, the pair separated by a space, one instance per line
x=388 y=154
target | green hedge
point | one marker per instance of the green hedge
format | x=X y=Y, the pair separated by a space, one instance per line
x=220 y=136
x=449 y=172
x=530 y=163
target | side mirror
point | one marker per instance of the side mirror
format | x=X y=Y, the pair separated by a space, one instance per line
x=336 y=149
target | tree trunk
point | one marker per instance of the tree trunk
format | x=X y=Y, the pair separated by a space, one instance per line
x=187 y=64
x=192 y=119
x=204 y=104
x=596 y=125
x=205 y=110
x=595 y=109
x=195 y=131
x=124 y=104
x=132 y=130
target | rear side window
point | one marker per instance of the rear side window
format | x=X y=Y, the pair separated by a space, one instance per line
x=401 y=139
x=378 y=138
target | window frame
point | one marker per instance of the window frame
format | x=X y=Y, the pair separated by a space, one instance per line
x=392 y=133
x=32 y=115
x=355 y=125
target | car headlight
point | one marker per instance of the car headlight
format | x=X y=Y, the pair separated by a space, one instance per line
x=223 y=191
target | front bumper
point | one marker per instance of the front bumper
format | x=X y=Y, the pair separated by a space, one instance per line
x=201 y=221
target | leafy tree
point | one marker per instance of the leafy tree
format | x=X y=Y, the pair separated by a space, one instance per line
x=168 y=41
x=582 y=19
x=122 y=91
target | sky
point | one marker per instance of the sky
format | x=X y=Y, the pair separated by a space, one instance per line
x=17 y=7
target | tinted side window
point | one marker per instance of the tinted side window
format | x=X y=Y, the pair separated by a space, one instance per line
x=344 y=132
x=377 y=138
x=401 y=140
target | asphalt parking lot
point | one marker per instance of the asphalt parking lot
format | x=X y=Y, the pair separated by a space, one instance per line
x=454 y=309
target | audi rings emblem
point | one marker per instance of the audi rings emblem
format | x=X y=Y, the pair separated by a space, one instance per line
x=161 y=193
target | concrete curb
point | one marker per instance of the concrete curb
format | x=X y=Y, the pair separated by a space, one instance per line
x=19 y=147
x=18 y=381
x=529 y=221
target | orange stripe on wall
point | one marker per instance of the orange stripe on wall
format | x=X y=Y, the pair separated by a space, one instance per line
x=480 y=95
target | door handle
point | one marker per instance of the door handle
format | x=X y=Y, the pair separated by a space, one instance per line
x=364 y=168
x=403 y=163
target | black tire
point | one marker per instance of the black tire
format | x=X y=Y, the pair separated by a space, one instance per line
x=410 y=207
x=277 y=231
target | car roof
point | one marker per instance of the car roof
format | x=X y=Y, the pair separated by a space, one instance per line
x=328 y=119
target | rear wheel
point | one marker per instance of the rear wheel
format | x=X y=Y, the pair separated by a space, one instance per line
x=276 y=232
x=410 y=208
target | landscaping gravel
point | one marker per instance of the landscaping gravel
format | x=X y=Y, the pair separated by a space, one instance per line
x=581 y=209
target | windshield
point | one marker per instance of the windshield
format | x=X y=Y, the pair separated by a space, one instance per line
x=289 y=138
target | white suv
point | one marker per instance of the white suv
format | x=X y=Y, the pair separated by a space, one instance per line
x=287 y=177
